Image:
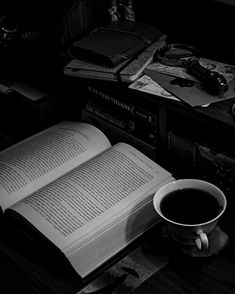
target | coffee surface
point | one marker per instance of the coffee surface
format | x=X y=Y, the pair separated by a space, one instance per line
x=190 y=206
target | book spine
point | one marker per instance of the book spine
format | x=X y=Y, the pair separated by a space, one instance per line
x=123 y=120
x=122 y=102
x=118 y=135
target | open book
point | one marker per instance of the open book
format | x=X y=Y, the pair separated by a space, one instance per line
x=88 y=198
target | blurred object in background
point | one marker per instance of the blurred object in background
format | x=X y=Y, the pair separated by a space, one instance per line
x=8 y=29
x=128 y=10
x=81 y=17
x=121 y=9
x=114 y=10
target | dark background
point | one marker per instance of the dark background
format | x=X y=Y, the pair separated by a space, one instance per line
x=206 y=24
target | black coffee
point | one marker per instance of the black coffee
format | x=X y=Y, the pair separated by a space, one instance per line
x=190 y=206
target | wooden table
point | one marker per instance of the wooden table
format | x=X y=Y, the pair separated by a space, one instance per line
x=184 y=274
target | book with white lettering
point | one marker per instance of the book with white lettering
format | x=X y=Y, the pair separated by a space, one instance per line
x=88 y=199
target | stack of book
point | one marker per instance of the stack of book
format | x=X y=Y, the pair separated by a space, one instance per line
x=117 y=52
x=127 y=71
x=117 y=113
x=105 y=58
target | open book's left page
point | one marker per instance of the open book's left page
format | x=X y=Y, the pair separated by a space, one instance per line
x=44 y=157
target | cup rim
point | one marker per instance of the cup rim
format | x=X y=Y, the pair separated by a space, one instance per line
x=156 y=207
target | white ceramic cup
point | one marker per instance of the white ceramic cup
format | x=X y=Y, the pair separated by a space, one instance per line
x=196 y=233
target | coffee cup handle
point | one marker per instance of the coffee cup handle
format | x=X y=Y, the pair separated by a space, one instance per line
x=202 y=240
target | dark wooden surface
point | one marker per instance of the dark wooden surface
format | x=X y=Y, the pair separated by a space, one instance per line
x=184 y=274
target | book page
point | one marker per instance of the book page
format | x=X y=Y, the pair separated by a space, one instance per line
x=86 y=200
x=38 y=160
